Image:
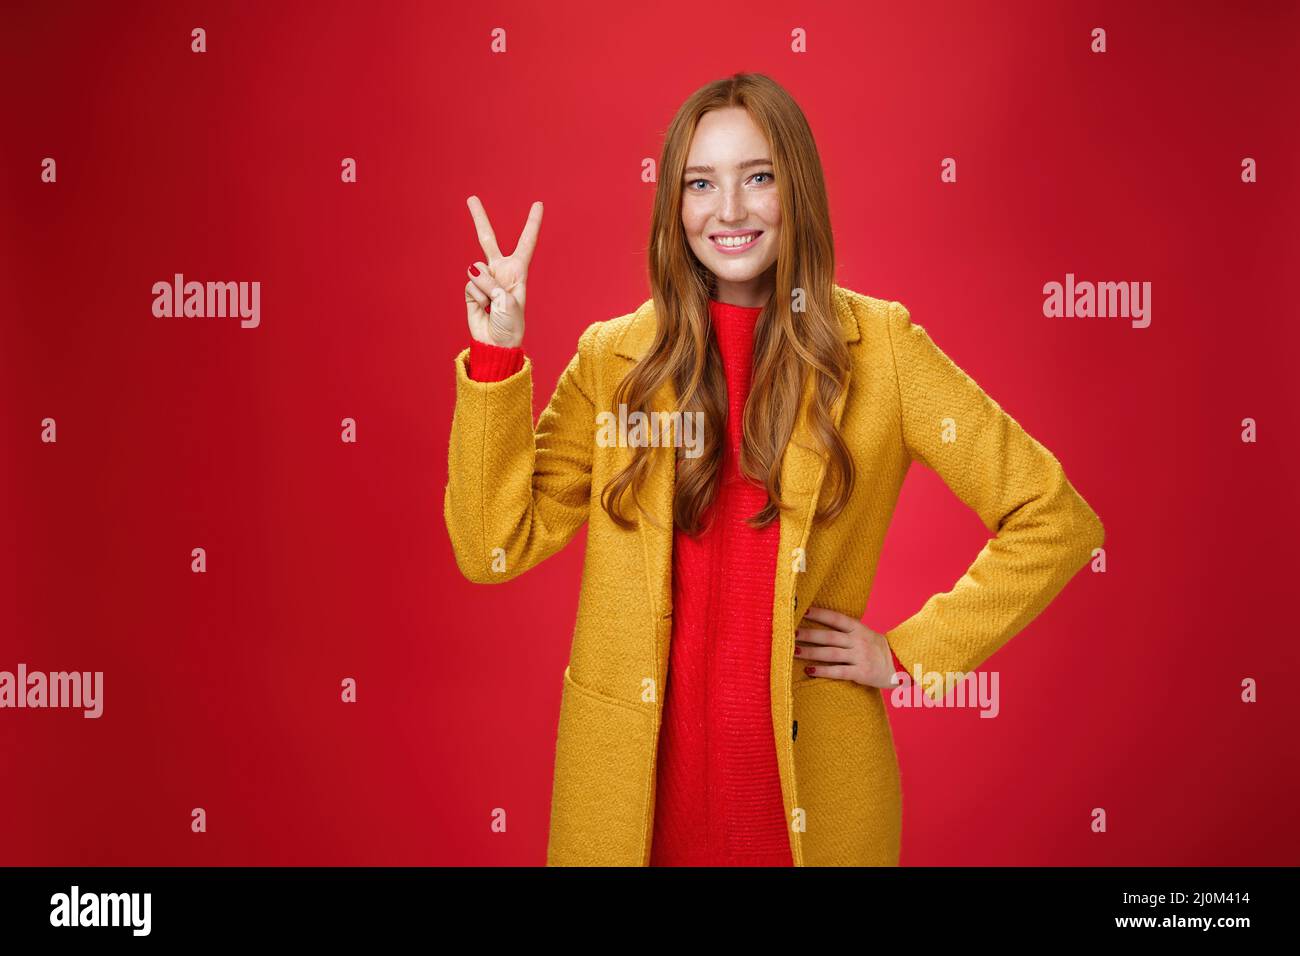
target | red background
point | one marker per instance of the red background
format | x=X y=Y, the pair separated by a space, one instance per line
x=328 y=560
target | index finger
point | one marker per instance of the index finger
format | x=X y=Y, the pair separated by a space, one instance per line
x=487 y=239
x=824 y=615
x=528 y=238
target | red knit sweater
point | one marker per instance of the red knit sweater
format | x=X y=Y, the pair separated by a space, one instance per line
x=718 y=790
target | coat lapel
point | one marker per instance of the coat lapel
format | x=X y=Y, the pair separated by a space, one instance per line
x=802 y=475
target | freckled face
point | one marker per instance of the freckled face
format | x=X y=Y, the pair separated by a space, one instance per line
x=731 y=209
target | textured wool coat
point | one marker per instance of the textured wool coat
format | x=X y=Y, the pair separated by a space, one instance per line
x=517 y=494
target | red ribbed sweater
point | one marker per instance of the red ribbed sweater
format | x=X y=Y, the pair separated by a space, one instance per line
x=718 y=790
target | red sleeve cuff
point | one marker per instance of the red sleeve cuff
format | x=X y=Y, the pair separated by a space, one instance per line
x=898 y=665
x=492 y=363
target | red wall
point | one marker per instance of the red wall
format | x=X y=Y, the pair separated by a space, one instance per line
x=328 y=560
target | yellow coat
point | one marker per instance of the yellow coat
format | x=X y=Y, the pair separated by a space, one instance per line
x=516 y=494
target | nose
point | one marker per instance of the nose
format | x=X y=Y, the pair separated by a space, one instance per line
x=732 y=205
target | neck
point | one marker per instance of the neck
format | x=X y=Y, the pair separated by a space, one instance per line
x=748 y=295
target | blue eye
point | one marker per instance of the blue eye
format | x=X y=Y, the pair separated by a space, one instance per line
x=768 y=175
x=693 y=182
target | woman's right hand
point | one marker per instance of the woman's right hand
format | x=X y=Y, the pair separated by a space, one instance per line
x=494 y=299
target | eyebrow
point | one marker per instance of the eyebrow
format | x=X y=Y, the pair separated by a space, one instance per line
x=745 y=165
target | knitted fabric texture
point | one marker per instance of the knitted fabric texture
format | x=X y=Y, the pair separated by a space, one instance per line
x=491 y=363
x=718 y=788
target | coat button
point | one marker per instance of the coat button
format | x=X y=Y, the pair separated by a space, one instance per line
x=794 y=734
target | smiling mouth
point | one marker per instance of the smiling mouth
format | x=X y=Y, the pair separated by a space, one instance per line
x=737 y=242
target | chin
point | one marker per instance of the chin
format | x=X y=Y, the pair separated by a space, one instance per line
x=734 y=272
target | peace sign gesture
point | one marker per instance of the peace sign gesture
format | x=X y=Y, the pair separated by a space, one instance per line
x=494 y=298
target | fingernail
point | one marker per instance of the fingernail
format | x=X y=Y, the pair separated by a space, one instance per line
x=809 y=670
x=798 y=650
x=473 y=270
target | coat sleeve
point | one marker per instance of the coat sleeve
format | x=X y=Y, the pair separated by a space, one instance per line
x=1045 y=532
x=517 y=494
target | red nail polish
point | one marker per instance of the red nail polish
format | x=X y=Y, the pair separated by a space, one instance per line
x=798 y=650
x=809 y=670
x=473 y=270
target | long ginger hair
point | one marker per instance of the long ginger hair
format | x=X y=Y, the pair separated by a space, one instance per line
x=788 y=344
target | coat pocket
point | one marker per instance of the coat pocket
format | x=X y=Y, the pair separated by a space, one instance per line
x=847 y=775
x=600 y=798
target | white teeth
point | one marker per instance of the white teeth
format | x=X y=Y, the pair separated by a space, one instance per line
x=735 y=240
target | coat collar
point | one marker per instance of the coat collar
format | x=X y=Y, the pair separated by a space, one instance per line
x=802 y=474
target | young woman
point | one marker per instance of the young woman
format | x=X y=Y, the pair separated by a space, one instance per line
x=699 y=723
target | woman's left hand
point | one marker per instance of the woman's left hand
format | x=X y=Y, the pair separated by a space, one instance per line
x=850 y=650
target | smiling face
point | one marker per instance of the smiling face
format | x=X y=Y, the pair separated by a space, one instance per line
x=731 y=209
